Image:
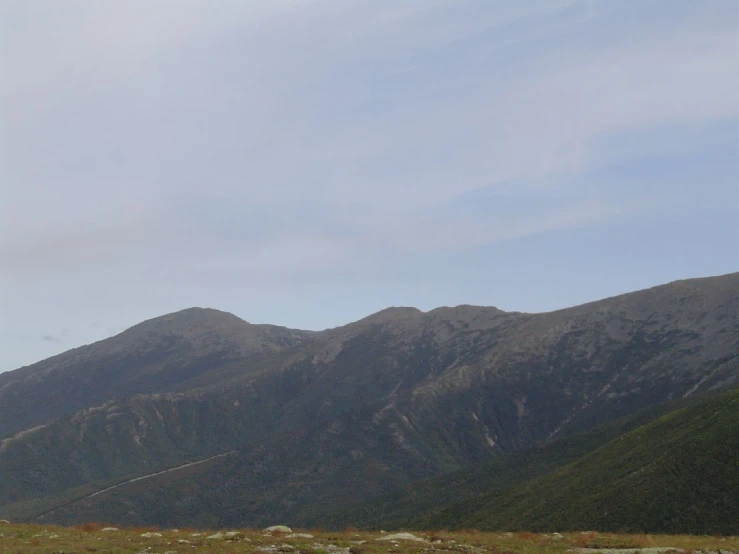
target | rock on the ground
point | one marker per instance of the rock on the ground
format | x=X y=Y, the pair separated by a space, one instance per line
x=299 y=536
x=277 y=529
x=109 y=529
x=402 y=537
x=331 y=548
x=150 y=534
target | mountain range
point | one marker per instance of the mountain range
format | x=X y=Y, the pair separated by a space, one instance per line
x=200 y=418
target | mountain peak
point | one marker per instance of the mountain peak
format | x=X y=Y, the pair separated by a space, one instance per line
x=188 y=321
x=392 y=314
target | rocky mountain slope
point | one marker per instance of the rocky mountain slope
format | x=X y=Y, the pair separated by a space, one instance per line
x=168 y=353
x=345 y=414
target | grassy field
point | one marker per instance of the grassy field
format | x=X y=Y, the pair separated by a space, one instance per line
x=93 y=537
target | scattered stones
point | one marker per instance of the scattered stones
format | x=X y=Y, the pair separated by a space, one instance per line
x=331 y=548
x=651 y=550
x=272 y=548
x=276 y=529
x=402 y=537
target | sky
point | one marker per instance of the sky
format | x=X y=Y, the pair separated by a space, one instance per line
x=309 y=162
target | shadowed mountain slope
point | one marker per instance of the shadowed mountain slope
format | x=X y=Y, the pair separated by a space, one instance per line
x=348 y=413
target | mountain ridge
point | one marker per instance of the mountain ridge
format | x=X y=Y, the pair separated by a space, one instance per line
x=370 y=406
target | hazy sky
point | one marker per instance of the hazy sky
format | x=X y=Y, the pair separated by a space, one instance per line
x=308 y=162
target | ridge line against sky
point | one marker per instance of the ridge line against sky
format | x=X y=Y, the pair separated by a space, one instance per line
x=308 y=163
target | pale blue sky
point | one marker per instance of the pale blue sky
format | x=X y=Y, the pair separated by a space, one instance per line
x=306 y=163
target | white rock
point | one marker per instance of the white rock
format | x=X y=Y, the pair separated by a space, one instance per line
x=183 y=541
x=109 y=529
x=218 y=535
x=299 y=536
x=401 y=537
x=331 y=548
x=5 y=521
x=277 y=529
x=150 y=534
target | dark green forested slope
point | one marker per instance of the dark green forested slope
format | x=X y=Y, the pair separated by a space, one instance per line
x=677 y=474
x=426 y=497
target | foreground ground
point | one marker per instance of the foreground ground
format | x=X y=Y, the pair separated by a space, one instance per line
x=34 y=539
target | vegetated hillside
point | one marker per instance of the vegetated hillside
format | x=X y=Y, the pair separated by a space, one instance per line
x=332 y=418
x=169 y=353
x=676 y=474
x=424 y=498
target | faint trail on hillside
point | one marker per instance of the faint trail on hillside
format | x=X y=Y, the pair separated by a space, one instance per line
x=143 y=477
